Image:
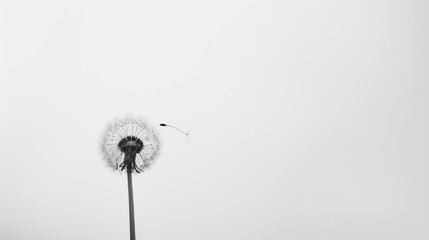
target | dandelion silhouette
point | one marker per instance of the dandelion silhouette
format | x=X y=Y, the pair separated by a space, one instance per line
x=130 y=145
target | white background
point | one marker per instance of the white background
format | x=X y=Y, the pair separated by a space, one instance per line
x=309 y=120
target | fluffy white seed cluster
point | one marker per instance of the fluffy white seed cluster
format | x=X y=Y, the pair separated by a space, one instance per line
x=130 y=128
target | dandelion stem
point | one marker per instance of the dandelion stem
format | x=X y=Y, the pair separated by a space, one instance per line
x=131 y=203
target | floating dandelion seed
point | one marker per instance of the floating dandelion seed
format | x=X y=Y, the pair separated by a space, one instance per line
x=132 y=146
x=165 y=125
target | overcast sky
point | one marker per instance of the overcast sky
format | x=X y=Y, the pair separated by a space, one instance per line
x=308 y=120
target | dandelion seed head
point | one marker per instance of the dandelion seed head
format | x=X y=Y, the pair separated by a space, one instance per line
x=130 y=144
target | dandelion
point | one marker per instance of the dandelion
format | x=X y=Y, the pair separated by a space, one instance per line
x=132 y=146
x=130 y=143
